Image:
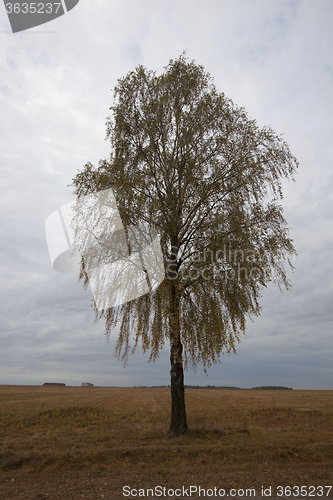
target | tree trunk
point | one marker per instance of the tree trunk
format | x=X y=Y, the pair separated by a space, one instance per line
x=178 y=413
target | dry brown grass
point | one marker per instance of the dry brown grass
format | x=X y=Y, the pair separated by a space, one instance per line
x=69 y=441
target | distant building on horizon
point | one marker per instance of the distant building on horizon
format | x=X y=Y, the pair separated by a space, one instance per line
x=54 y=383
x=87 y=384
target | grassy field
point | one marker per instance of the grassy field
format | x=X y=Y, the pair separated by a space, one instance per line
x=88 y=442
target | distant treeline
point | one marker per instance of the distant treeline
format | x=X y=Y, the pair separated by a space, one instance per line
x=187 y=386
x=274 y=387
x=263 y=387
x=210 y=387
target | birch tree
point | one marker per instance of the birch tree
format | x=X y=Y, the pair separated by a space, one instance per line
x=192 y=166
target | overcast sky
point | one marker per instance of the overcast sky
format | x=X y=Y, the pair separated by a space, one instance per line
x=275 y=58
